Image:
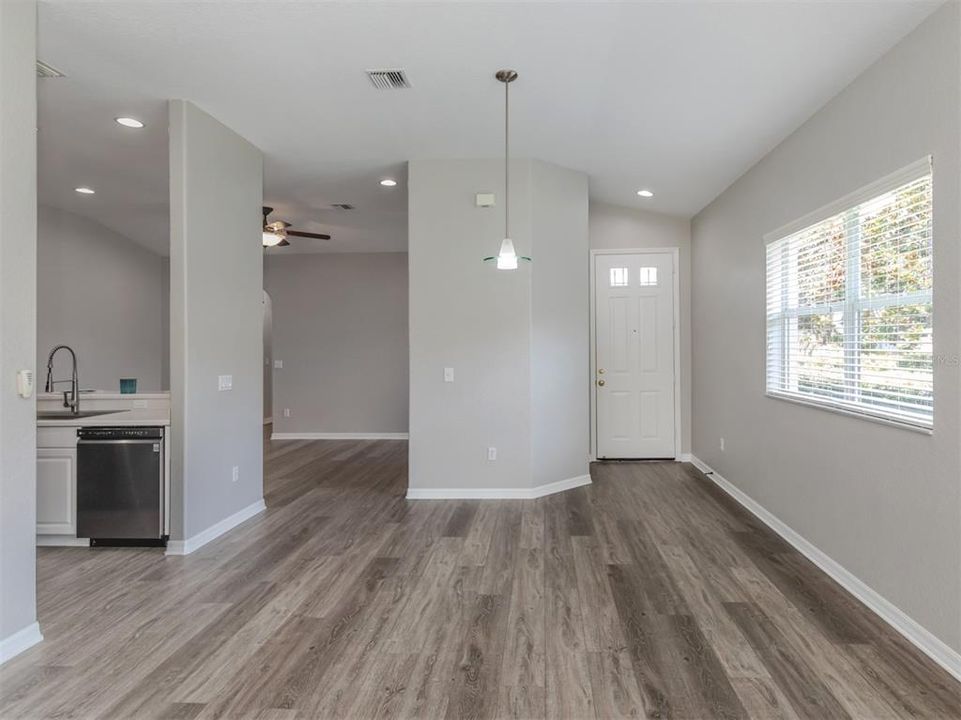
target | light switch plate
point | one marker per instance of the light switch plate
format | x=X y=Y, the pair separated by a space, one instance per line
x=25 y=383
x=448 y=374
x=225 y=382
x=484 y=199
x=278 y=364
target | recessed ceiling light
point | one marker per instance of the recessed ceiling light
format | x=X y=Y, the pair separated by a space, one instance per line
x=645 y=193
x=387 y=182
x=85 y=190
x=129 y=122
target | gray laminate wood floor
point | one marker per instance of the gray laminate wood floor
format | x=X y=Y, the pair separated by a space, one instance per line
x=648 y=594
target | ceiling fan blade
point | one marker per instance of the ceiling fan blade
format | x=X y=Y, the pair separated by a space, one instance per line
x=299 y=233
x=283 y=243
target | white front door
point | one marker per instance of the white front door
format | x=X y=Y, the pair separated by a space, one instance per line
x=634 y=379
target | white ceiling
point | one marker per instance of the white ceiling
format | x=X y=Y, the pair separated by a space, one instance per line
x=678 y=97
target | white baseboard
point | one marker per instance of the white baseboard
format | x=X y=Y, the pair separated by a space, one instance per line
x=268 y=421
x=337 y=436
x=914 y=632
x=497 y=493
x=685 y=457
x=185 y=547
x=15 y=644
x=62 y=541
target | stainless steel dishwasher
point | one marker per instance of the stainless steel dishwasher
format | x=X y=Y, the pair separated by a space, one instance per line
x=120 y=485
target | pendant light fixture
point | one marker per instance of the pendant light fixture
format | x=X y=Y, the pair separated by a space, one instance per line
x=507 y=257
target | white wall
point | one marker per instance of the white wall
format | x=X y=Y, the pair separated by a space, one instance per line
x=560 y=324
x=103 y=295
x=494 y=328
x=340 y=328
x=18 y=320
x=883 y=502
x=613 y=227
x=216 y=320
x=165 y=324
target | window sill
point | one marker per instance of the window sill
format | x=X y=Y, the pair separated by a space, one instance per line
x=891 y=422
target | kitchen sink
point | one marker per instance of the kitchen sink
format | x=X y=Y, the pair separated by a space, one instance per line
x=67 y=415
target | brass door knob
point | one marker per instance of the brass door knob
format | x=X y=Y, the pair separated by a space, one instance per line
x=601 y=383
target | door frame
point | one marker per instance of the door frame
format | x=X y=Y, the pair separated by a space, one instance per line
x=675 y=262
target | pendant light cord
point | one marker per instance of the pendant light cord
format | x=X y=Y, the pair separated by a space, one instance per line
x=507 y=160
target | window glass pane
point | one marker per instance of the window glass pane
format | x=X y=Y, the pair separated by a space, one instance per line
x=648 y=276
x=818 y=367
x=895 y=237
x=896 y=363
x=820 y=264
x=619 y=277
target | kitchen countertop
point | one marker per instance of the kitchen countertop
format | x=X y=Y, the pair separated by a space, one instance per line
x=103 y=395
x=134 y=416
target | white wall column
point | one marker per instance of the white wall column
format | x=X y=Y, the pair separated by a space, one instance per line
x=216 y=327
x=18 y=325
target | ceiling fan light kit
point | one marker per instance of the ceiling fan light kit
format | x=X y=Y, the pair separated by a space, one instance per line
x=275 y=233
x=271 y=239
x=507 y=258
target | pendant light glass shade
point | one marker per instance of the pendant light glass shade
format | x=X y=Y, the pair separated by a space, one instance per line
x=507 y=258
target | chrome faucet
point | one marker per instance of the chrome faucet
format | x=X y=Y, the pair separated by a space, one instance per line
x=74 y=402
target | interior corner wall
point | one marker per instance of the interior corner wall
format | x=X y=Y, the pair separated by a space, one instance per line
x=517 y=341
x=613 y=227
x=465 y=315
x=18 y=322
x=883 y=502
x=560 y=325
x=103 y=295
x=216 y=320
x=340 y=330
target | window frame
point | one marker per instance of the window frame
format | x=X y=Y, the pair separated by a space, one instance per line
x=849 y=306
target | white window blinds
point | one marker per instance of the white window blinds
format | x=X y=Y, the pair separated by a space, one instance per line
x=849 y=303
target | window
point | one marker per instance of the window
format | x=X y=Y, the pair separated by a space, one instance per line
x=648 y=276
x=618 y=277
x=849 y=303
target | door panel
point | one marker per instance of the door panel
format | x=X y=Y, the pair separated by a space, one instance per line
x=648 y=339
x=634 y=325
x=649 y=415
x=56 y=491
x=619 y=335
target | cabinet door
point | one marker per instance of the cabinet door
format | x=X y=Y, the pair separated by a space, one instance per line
x=56 y=491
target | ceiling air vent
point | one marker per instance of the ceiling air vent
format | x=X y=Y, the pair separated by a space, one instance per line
x=47 y=71
x=343 y=206
x=389 y=79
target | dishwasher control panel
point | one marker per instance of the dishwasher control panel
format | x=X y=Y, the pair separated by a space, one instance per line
x=120 y=433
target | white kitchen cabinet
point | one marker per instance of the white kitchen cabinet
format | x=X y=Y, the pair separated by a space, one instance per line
x=57 y=491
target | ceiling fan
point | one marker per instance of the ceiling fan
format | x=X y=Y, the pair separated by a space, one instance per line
x=275 y=233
